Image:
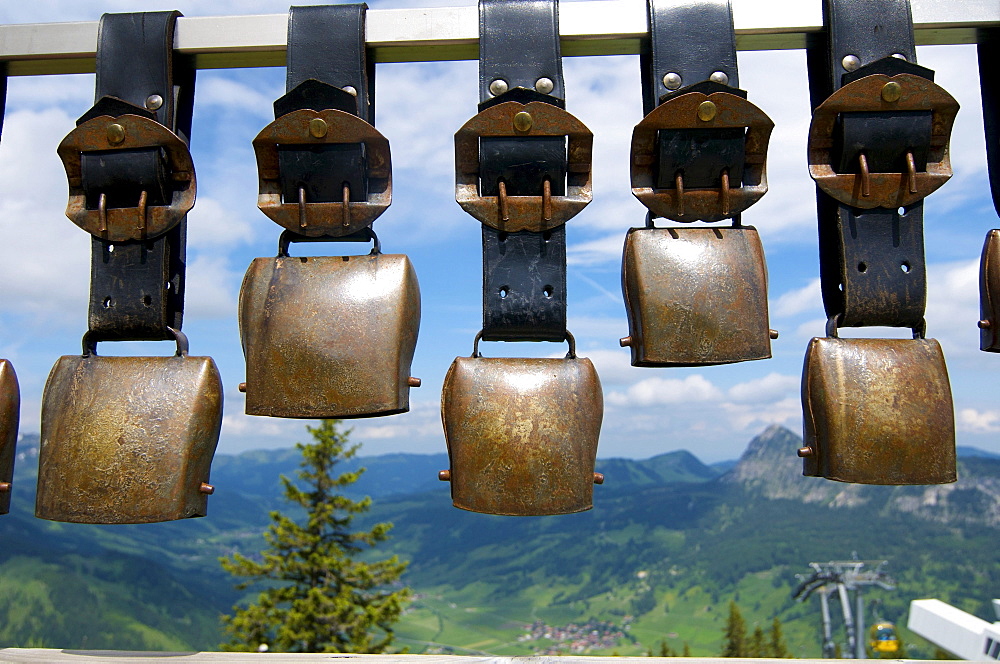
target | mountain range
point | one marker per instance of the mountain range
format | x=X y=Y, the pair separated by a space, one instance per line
x=668 y=544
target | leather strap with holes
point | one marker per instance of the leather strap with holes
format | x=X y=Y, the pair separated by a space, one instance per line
x=871 y=260
x=524 y=272
x=137 y=286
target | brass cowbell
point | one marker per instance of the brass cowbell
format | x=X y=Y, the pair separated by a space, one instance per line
x=877 y=411
x=329 y=336
x=989 y=294
x=695 y=296
x=128 y=439
x=10 y=403
x=522 y=433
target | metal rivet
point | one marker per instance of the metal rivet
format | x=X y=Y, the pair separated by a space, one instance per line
x=116 y=133
x=153 y=102
x=413 y=382
x=719 y=77
x=444 y=475
x=850 y=62
x=206 y=488
x=891 y=91
x=624 y=342
x=523 y=121
x=318 y=127
x=598 y=478
x=672 y=81
x=498 y=87
x=773 y=334
x=4 y=487
x=243 y=387
x=544 y=85
x=899 y=56
x=805 y=452
x=984 y=325
x=349 y=89
x=707 y=111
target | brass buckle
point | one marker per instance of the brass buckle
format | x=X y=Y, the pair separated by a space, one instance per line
x=524 y=213
x=696 y=110
x=879 y=92
x=127 y=132
x=314 y=218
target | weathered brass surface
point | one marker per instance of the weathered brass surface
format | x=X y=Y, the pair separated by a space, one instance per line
x=522 y=434
x=524 y=213
x=882 y=189
x=127 y=132
x=315 y=218
x=329 y=336
x=989 y=294
x=878 y=411
x=690 y=111
x=127 y=439
x=695 y=296
x=10 y=403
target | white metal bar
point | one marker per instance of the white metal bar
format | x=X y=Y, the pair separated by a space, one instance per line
x=591 y=27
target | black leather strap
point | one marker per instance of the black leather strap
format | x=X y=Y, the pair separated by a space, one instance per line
x=327 y=60
x=690 y=39
x=989 y=80
x=871 y=261
x=690 y=42
x=137 y=288
x=524 y=273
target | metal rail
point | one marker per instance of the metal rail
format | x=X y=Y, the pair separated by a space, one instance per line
x=592 y=27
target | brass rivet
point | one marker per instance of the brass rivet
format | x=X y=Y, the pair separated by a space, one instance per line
x=624 y=342
x=707 y=111
x=598 y=478
x=4 y=487
x=243 y=387
x=984 y=325
x=206 y=488
x=116 y=133
x=154 y=102
x=891 y=91
x=523 y=121
x=444 y=475
x=805 y=451
x=413 y=382
x=773 y=334
x=318 y=127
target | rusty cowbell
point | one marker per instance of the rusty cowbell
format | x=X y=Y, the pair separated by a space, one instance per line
x=128 y=439
x=10 y=402
x=329 y=336
x=695 y=296
x=522 y=433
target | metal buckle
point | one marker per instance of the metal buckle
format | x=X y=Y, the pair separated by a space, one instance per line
x=696 y=110
x=888 y=94
x=524 y=213
x=10 y=402
x=127 y=132
x=315 y=218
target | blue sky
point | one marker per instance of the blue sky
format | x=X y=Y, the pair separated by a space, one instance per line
x=713 y=411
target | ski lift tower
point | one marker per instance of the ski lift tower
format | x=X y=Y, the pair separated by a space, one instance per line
x=843 y=577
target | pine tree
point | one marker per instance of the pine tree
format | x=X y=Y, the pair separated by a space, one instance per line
x=687 y=650
x=735 y=634
x=756 y=646
x=776 y=646
x=319 y=597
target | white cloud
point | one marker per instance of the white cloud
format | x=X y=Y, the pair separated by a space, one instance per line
x=746 y=417
x=653 y=391
x=210 y=293
x=771 y=387
x=798 y=301
x=971 y=420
